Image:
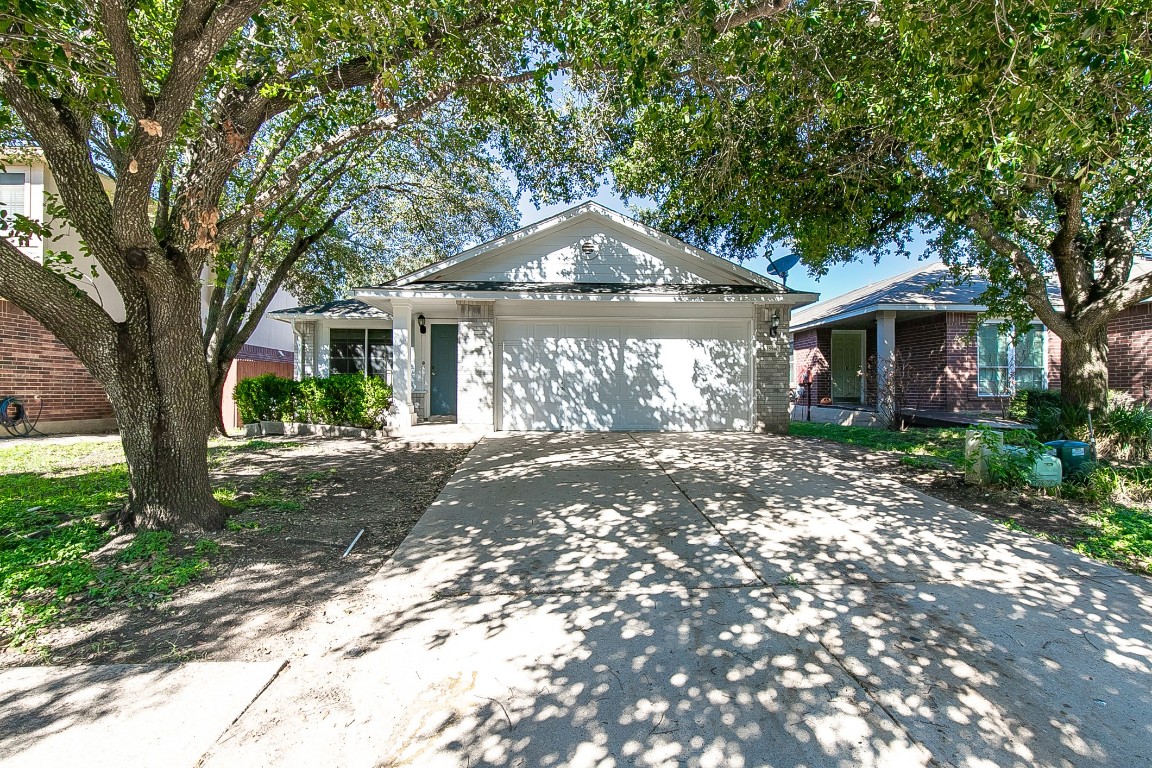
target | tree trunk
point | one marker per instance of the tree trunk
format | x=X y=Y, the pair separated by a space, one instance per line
x=217 y=378
x=160 y=393
x=1084 y=369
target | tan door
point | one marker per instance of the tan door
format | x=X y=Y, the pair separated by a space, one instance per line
x=847 y=365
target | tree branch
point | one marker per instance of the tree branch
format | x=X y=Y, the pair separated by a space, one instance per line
x=67 y=312
x=114 y=18
x=755 y=12
x=1036 y=287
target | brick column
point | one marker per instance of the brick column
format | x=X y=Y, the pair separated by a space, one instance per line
x=771 y=349
x=476 y=364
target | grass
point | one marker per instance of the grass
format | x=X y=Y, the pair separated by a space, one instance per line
x=56 y=503
x=1118 y=498
x=944 y=444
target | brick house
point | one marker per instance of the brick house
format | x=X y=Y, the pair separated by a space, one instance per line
x=41 y=371
x=949 y=355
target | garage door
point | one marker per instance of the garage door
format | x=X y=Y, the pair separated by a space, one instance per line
x=651 y=375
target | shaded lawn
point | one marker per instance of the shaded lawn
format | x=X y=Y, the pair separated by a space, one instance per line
x=57 y=501
x=1114 y=509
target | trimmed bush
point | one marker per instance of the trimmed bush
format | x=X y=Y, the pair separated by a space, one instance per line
x=346 y=399
x=266 y=397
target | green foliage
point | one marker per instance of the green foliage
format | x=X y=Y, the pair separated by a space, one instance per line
x=946 y=445
x=267 y=397
x=1010 y=465
x=347 y=399
x=1125 y=431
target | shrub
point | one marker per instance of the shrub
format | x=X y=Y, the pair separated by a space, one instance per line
x=264 y=398
x=1125 y=431
x=346 y=399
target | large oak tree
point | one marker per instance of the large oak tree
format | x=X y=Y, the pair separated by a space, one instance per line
x=1017 y=134
x=169 y=99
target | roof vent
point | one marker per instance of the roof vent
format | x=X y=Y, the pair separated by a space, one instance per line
x=589 y=248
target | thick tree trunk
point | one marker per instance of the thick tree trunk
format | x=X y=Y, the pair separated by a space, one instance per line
x=1084 y=369
x=160 y=392
x=168 y=464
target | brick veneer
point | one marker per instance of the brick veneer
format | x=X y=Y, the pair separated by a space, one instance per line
x=941 y=350
x=33 y=362
x=771 y=371
x=922 y=347
x=1130 y=351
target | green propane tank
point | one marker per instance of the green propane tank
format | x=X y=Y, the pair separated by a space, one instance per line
x=1074 y=455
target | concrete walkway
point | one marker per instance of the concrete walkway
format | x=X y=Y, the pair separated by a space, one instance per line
x=714 y=600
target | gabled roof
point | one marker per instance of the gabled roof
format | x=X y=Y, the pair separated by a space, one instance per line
x=926 y=288
x=345 y=309
x=740 y=275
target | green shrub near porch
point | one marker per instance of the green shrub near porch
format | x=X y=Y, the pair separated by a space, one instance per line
x=345 y=399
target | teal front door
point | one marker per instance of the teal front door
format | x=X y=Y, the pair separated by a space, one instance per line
x=442 y=394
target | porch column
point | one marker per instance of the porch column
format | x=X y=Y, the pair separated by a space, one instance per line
x=475 y=364
x=402 y=362
x=885 y=356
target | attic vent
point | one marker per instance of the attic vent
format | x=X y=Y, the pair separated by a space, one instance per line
x=589 y=248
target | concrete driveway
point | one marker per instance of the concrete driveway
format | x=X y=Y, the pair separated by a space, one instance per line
x=714 y=600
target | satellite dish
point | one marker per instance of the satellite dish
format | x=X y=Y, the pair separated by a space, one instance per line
x=780 y=266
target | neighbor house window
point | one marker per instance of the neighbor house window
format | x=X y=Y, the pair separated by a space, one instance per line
x=1006 y=365
x=13 y=200
x=361 y=350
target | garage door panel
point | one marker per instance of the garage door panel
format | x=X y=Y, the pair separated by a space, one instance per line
x=649 y=375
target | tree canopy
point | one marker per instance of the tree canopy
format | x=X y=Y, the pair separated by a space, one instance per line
x=1016 y=135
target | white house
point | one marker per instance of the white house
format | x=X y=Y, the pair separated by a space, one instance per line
x=588 y=320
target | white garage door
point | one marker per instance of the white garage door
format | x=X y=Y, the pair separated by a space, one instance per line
x=666 y=375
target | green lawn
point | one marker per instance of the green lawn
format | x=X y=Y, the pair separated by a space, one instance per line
x=1118 y=524
x=945 y=444
x=56 y=500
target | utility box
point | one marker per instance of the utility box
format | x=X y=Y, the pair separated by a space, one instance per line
x=1074 y=456
x=975 y=451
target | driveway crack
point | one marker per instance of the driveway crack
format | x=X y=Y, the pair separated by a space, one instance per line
x=705 y=515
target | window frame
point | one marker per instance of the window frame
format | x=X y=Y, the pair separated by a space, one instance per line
x=26 y=172
x=365 y=359
x=1011 y=368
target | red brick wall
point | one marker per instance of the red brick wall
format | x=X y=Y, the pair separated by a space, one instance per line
x=811 y=351
x=922 y=347
x=33 y=362
x=1130 y=351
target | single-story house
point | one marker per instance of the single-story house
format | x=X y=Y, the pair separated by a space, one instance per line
x=950 y=354
x=588 y=320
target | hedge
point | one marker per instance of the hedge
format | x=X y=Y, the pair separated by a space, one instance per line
x=344 y=399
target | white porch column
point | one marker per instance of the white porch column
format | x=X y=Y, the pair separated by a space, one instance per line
x=885 y=355
x=402 y=362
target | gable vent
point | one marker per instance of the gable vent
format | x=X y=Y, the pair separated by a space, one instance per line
x=588 y=248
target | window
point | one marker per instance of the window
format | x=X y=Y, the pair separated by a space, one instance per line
x=13 y=200
x=1005 y=365
x=356 y=350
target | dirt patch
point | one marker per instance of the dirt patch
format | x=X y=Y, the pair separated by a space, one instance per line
x=1062 y=521
x=278 y=567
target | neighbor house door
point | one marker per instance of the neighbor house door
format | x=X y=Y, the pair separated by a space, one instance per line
x=847 y=365
x=442 y=390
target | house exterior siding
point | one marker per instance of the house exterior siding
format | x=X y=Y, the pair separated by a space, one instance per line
x=33 y=363
x=922 y=351
x=1130 y=352
x=812 y=352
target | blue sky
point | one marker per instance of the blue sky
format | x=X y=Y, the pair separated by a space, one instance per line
x=840 y=279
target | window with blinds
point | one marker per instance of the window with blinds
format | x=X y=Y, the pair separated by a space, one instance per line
x=13 y=198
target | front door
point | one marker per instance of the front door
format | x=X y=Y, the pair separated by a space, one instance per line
x=847 y=365
x=443 y=387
